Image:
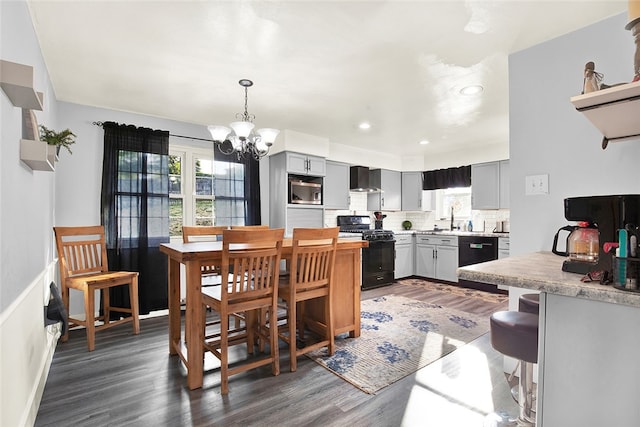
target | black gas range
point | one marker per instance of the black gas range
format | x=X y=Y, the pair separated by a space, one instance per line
x=378 y=260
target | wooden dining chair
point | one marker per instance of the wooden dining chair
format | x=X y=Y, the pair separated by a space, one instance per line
x=249 y=270
x=311 y=276
x=82 y=254
x=204 y=233
x=210 y=273
x=249 y=227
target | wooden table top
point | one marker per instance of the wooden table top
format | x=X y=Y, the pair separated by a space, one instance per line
x=202 y=250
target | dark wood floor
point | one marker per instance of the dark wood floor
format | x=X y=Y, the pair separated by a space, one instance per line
x=132 y=381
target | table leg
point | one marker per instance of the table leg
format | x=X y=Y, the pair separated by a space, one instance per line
x=195 y=332
x=174 y=306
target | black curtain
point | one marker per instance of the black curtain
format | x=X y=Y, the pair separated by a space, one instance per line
x=446 y=178
x=248 y=195
x=135 y=209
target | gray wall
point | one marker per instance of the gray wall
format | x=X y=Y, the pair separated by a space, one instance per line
x=27 y=196
x=548 y=136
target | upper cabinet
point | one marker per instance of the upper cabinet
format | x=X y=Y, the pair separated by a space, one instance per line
x=614 y=111
x=390 y=195
x=302 y=164
x=487 y=182
x=414 y=198
x=336 y=186
x=505 y=188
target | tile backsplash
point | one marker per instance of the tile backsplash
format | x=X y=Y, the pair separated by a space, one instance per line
x=482 y=220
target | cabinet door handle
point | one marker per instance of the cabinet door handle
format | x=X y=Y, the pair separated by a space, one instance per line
x=382 y=199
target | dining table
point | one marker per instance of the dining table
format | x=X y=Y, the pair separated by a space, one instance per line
x=190 y=349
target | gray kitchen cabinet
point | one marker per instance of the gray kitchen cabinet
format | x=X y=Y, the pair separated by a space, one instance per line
x=281 y=213
x=302 y=164
x=336 y=186
x=437 y=257
x=504 y=184
x=414 y=198
x=404 y=255
x=490 y=185
x=389 y=197
x=503 y=247
x=303 y=216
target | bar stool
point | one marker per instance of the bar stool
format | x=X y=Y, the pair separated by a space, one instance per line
x=529 y=303
x=515 y=334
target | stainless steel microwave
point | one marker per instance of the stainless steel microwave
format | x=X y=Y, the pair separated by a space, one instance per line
x=305 y=190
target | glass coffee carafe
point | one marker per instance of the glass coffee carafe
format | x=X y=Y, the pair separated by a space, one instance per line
x=582 y=243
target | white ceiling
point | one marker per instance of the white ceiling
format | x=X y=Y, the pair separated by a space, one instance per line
x=319 y=67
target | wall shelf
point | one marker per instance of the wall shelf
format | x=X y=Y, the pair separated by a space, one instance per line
x=16 y=81
x=614 y=111
x=38 y=155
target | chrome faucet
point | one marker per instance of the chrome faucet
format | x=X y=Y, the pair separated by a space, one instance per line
x=451 y=227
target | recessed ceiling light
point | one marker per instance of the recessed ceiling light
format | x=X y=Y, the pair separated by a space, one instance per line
x=471 y=90
x=424 y=142
x=364 y=125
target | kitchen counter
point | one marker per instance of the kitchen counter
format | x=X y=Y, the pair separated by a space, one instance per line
x=588 y=341
x=542 y=271
x=453 y=233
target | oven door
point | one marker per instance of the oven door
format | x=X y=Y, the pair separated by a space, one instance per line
x=378 y=263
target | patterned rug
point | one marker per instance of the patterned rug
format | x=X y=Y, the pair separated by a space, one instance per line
x=398 y=336
x=456 y=290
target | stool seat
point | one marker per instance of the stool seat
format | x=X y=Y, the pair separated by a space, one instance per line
x=529 y=303
x=515 y=334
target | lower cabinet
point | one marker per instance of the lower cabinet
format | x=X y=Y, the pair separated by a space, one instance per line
x=437 y=257
x=404 y=256
x=306 y=217
x=503 y=247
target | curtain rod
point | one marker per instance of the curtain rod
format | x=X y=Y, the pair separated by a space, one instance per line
x=171 y=134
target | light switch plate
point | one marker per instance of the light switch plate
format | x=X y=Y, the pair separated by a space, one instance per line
x=536 y=185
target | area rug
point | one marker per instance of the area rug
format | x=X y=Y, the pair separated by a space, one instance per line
x=455 y=290
x=398 y=336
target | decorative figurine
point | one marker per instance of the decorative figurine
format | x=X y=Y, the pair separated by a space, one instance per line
x=592 y=78
x=634 y=26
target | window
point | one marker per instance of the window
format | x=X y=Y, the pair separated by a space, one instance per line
x=457 y=198
x=203 y=191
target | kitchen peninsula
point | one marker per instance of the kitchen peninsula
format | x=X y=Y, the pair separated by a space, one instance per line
x=588 y=343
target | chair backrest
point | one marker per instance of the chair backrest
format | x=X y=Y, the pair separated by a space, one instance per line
x=249 y=227
x=81 y=250
x=251 y=261
x=313 y=257
x=202 y=233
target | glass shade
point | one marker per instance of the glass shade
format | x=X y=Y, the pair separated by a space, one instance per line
x=242 y=129
x=236 y=143
x=261 y=145
x=219 y=133
x=268 y=135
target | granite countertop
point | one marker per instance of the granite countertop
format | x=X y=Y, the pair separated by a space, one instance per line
x=453 y=233
x=542 y=271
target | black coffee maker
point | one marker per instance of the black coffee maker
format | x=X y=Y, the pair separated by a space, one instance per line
x=609 y=214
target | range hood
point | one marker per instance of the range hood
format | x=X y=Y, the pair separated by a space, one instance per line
x=360 y=179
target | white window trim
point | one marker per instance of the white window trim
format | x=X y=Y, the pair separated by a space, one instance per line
x=188 y=155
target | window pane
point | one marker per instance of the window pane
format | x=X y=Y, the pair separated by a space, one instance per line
x=175 y=175
x=175 y=217
x=204 y=212
x=204 y=177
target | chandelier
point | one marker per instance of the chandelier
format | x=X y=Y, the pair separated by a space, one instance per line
x=241 y=139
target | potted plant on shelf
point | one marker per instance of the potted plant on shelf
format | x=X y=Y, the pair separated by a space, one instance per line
x=60 y=139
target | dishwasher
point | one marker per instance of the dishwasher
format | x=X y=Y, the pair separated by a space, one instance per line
x=474 y=250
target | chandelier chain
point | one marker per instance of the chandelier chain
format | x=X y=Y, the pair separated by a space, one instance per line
x=246 y=117
x=242 y=140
